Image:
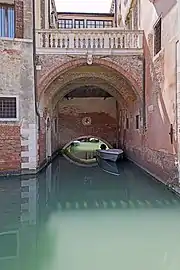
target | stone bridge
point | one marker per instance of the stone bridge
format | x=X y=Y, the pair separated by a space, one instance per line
x=70 y=62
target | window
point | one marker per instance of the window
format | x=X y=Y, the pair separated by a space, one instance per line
x=99 y=24
x=7 y=21
x=157 y=37
x=127 y=123
x=79 y=23
x=108 y=24
x=91 y=24
x=65 y=23
x=8 y=108
x=137 y=121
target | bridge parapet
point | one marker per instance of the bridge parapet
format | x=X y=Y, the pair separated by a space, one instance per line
x=112 y=41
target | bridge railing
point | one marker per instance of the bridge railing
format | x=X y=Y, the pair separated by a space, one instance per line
x=111 y=38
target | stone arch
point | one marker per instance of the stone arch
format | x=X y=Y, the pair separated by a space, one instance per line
x=111 y=89
x=58 y=70
x=89 y=136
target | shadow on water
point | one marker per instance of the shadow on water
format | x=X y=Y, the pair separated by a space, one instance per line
x=70 y=217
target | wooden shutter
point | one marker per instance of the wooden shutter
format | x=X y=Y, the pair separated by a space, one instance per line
x=19 y=18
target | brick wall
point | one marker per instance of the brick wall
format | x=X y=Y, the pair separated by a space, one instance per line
x=71 y=120
x=10 y=148
x=19 y=17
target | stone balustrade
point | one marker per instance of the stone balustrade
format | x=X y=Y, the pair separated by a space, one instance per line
x=79 y=39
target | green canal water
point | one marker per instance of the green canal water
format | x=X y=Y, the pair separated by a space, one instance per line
x=77 y=218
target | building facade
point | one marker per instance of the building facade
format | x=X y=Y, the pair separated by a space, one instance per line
x=67 y=75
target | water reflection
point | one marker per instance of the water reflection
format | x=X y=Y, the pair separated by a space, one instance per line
x=83 y=150
x=72 y=217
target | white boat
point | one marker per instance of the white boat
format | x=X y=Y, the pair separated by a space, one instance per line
x=110 y=154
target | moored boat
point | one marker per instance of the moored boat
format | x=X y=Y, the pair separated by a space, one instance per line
x=110 y=154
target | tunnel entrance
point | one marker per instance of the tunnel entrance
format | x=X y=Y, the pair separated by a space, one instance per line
x=90 y=100
x=82 y=151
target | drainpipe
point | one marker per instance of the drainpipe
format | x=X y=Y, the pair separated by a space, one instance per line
x=115 y=12
x=34 y=63
x=144 y=93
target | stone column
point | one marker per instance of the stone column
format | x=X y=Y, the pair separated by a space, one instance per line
x=38 y=14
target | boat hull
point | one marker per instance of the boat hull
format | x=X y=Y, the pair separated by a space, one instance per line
x=110 y=154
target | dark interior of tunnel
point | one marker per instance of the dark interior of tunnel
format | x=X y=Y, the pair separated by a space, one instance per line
x=87 y=91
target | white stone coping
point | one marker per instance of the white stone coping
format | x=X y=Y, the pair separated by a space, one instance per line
x=82 y=52
x=16 y=39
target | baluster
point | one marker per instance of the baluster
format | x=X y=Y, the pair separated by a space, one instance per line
x=41 y=40
x=84 y=43
x=123 y=40
x=61 y=41
x=66 y=42
x=131 y=39
x=56 y=41
x=126 y=39
x=118 y=42
x=114 y=42
x=135 y=43
x=109 y=43
x=92 y=42
x=81 y=42
x=51 y=39
x=46 y=40
x=75 y=41
x=71 y=41
x=98 y=43
x=106 y=41
x=102 y=42
x=89 y=43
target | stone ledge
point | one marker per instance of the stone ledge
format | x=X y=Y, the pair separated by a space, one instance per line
x=16 y=40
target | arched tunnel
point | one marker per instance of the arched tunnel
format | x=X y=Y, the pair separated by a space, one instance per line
x=90 y=100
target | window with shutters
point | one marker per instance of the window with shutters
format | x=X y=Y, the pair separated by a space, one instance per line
x=8 y=108
x=7 y=21
x=157 y=37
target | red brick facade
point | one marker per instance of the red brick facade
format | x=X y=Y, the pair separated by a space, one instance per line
x=102 y=126
x=10 y=148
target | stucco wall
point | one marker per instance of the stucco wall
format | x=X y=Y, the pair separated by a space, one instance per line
x=160 y=91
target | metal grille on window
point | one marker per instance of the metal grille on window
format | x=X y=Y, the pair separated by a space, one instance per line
x=8 y=107
x=157 y=37
x=7 y=21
